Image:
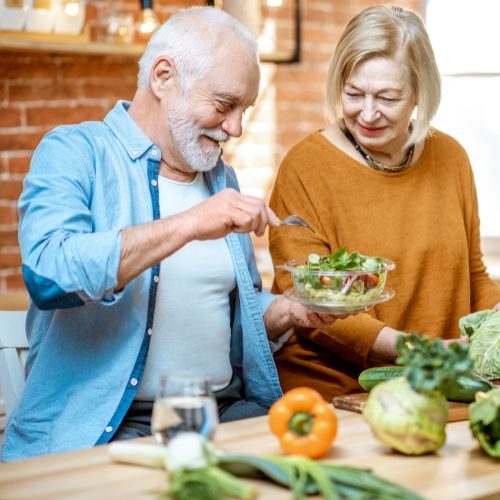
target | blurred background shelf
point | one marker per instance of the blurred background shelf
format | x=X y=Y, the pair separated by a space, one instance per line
x=65 y=44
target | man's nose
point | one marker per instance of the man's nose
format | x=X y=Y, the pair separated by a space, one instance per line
x=232 y=123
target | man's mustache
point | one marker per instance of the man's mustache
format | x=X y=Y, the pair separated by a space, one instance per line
x=217 y=134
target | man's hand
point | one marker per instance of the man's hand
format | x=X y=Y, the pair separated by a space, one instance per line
x=148 y=244
x=229 y=211
x=284 y=314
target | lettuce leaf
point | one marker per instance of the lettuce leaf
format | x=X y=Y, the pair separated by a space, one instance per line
x=484 y=418
x=483 y=330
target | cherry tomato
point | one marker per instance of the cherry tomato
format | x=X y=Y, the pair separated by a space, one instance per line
x=371 y=281
x=325 y=280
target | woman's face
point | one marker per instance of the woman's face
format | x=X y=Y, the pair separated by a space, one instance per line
x=377 y=103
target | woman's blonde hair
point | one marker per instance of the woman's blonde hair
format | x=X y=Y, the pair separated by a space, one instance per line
x=387 y=31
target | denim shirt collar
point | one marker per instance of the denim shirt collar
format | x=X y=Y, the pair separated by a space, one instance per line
x=133 y=139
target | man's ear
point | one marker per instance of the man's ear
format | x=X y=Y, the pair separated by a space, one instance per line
x=162 y=76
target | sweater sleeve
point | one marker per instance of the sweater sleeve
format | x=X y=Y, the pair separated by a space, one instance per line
x=353 y=337
x=485 y=293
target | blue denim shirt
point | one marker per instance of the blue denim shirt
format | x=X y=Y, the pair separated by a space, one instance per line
x=88 y=343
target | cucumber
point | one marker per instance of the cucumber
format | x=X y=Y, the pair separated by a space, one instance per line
x=370 y=377
x=463 y=389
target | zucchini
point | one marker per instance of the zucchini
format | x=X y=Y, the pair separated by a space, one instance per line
x=370 y=377
x=462 y=389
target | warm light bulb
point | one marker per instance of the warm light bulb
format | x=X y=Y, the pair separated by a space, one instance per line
x=148 y=22
x=274 y=3
x=72 y=8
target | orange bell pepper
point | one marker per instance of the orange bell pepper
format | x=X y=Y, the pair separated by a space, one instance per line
x=304 y=423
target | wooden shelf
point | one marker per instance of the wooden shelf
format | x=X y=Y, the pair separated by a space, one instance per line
x=65 y=44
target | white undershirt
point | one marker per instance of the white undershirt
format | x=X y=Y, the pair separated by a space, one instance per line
x=191 y=326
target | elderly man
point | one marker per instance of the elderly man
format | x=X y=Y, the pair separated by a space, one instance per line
x=136 y=251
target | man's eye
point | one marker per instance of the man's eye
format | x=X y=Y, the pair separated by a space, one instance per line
x=352 y=94
x=388 y=99
x=223 y=106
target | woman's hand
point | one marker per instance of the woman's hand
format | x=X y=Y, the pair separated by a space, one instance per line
x=496 y=307
x=383 y=349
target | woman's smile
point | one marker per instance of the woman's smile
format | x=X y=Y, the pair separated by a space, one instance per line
x=371 y=131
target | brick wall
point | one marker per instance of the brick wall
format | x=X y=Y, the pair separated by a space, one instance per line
x=39 y=91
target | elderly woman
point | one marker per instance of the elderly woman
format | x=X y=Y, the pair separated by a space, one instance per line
x=377 y=181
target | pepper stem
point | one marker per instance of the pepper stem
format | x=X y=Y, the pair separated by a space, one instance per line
x=301 y=423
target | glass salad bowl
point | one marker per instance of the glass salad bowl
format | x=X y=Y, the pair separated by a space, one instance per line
x=341 y=283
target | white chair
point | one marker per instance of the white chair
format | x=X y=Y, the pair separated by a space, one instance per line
x=13 y=351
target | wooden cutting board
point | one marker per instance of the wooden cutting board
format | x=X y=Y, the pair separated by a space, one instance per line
x=356 y=402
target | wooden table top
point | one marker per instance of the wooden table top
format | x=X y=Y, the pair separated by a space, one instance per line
x=459 y=470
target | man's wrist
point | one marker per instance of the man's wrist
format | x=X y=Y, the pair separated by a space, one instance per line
x=278 y=317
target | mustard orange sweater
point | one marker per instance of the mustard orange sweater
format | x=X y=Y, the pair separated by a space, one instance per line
x=425 y=219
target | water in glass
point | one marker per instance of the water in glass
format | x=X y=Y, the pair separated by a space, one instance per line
x=185 y=403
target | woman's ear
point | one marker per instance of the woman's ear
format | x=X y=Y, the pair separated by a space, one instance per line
x=162 y=76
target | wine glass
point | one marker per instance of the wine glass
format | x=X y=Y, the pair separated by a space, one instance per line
x=185 y=403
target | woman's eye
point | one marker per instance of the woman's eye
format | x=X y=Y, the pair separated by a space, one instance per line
x=352 y=94
x=388 y=99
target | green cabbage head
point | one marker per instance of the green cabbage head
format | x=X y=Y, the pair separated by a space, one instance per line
x=483 y=329
x=406 y=420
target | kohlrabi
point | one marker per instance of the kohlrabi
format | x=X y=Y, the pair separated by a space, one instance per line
x=409 y=413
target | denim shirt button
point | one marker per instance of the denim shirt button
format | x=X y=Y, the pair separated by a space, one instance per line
x=154 y=182
x=135 y=152
x=133 y=382
x=150 y=331
x=154 y=152
x=109 y=428
x=156 y=278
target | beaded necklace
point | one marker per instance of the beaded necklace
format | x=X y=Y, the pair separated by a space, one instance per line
x=377 y=165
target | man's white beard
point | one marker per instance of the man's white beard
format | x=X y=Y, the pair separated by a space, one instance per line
x=186 y=135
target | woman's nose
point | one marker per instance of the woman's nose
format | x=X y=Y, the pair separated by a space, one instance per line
x=369 y=113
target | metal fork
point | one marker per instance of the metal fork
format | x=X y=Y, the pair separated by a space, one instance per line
x=295 y=220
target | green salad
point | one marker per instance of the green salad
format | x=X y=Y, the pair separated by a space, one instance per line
x=343 y=277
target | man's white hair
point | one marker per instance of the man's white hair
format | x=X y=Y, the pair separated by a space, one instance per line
x=190 y=37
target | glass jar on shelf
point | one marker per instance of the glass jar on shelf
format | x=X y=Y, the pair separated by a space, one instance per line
x=116 y=26
x=12 y=14
x=40 y=15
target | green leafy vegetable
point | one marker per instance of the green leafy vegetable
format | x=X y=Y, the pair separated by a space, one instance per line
x=484 y=418
x=410 y=413
x=429 y=364
x=342 y=260
x=483 y=330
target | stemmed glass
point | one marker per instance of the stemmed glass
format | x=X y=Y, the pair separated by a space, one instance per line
x=185 y=403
